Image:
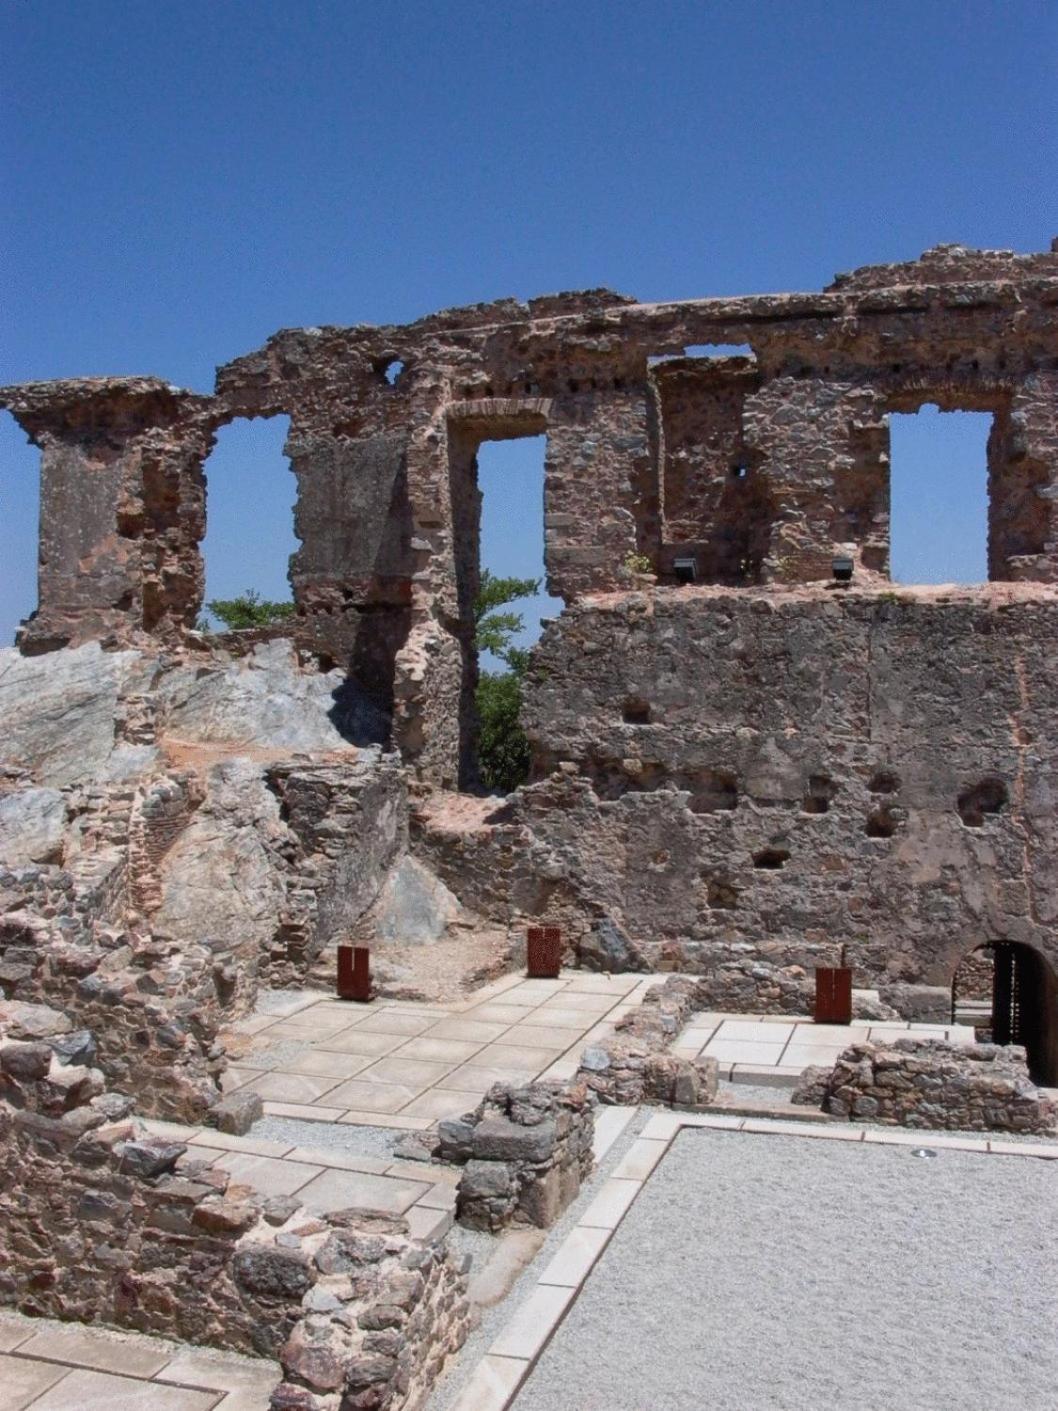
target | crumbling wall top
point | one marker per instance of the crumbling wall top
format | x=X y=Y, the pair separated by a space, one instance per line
x=952 y=264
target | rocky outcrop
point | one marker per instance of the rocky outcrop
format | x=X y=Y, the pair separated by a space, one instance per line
x=264 y=700
x=220 y=877
x=59 y=713
x=32 y=826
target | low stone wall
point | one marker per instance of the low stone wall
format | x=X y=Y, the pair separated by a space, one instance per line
x=101 y=1222
x=634 y=1066
x=155 y=1006
x=524 y=1152
x=931 y=1083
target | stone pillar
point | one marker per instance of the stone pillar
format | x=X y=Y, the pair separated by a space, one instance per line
x=820 y=450
x=122 y=508
x=351 y=577
x=1023 y=484
x=597 y=480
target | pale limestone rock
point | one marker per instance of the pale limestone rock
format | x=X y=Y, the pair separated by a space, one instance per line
x=58 y=711
x=413 y=907
x=219 y=879
x=32 y=822
x=262 y=700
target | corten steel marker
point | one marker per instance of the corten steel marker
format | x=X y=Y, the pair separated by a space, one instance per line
x=543 y=954
x=833 y=994
x=354 y=973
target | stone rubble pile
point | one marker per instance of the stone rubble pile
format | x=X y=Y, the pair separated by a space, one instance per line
x=931 y=1083
x=524 y=1151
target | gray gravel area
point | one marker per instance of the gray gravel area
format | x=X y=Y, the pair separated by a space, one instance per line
x=782 y=1274
x=330 y=1136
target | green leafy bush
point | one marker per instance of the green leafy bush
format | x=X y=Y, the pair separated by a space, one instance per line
x=503 y=748
x=249 y=609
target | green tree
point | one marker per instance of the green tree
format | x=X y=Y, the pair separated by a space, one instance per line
x=503 y=749
x=249 y=609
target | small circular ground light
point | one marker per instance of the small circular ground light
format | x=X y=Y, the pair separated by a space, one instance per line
x=922 y=1151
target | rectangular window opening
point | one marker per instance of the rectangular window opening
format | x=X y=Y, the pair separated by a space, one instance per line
x=249 y=521
x=510 y=489
x=938 y=518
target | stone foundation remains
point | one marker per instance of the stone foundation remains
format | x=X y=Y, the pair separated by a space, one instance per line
x=524 y=1152
x=100 y=1221
x=634 y=1066
x=743 y=765
x=930 y=1083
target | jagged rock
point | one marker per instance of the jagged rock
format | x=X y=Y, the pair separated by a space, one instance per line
x=607 y=947
x=413 y=907
x=265 y=700
x=32 y=822
x=59 y=710
x=237 y=1112
x=32 y=1021
x=149 y=1158
x=219 y=878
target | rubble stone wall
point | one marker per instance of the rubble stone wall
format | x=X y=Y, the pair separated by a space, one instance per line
x=634 y=1065
x=930 y=1083
x=749 y=774
x=524 y=1152
x=102 y=1222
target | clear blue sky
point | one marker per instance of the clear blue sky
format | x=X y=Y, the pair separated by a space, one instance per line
x=180 y=179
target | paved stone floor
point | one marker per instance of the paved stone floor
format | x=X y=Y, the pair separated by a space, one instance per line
x=399 y=1064
x=406 y=1065
x=51 y=1366
x=780 y=1047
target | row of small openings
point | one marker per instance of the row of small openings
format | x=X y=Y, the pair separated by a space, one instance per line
x=986 y=798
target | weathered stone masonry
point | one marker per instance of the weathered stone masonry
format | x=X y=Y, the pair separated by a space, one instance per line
x=761 y=766
x=764 y=468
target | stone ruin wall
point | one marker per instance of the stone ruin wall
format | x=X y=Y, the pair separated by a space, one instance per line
x=760 y=764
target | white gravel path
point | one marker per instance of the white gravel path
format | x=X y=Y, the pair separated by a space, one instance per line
x=771 y=1273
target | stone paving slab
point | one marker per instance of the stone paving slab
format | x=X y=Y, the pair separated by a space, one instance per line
x=46 y=1365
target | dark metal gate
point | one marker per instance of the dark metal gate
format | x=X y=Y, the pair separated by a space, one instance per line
x=1024 y=1004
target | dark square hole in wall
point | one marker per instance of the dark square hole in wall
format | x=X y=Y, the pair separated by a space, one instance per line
x=821 y=790
x=990 y=796
x=883 y=821
x=771 y=858
x=721 y=894
x=884 y=781
x=636 y=711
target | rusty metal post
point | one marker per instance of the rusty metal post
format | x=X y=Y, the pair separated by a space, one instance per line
x=354 y=973
x=833 y=994
x=543 y=952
